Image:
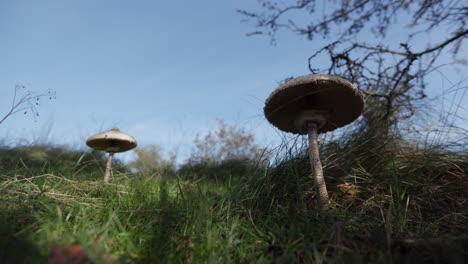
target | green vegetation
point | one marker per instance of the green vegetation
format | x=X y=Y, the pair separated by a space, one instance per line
x=390 y=204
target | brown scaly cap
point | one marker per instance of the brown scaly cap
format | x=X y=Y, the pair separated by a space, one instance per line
x=112 y=141
x=335 y=95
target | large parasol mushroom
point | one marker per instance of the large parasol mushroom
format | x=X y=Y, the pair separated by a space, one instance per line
x=111 y=141
x=313 y=104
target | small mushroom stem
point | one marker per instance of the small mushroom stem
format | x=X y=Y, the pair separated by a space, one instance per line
x=314 y=157
x=108 y=167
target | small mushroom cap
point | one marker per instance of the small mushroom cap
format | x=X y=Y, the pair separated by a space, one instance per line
x=112 y=141
x=333 y=95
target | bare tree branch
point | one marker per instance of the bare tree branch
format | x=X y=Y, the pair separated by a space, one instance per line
x=392 y=78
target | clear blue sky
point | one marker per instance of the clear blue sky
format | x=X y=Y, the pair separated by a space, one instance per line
x=161 y=71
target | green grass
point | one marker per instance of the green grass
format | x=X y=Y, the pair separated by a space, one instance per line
x=409 y=207
x=134 y=219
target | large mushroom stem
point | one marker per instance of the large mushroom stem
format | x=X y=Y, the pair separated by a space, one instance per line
x=108 y=167
x=314 y=157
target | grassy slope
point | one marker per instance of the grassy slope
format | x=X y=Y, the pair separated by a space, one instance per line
x=409 y=206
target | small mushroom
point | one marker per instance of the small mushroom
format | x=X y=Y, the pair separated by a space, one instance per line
x=312 y=104
x=111 y=141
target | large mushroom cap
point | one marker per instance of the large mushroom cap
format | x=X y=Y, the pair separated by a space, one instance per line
x=333 y=95
x=112 y=141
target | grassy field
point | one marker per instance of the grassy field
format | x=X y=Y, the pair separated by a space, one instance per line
x=399 y=204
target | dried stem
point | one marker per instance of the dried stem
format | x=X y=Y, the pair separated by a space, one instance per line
x=27 y=102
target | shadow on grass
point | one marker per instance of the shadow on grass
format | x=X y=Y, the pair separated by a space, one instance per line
x=160 y=245
x=15 y=244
